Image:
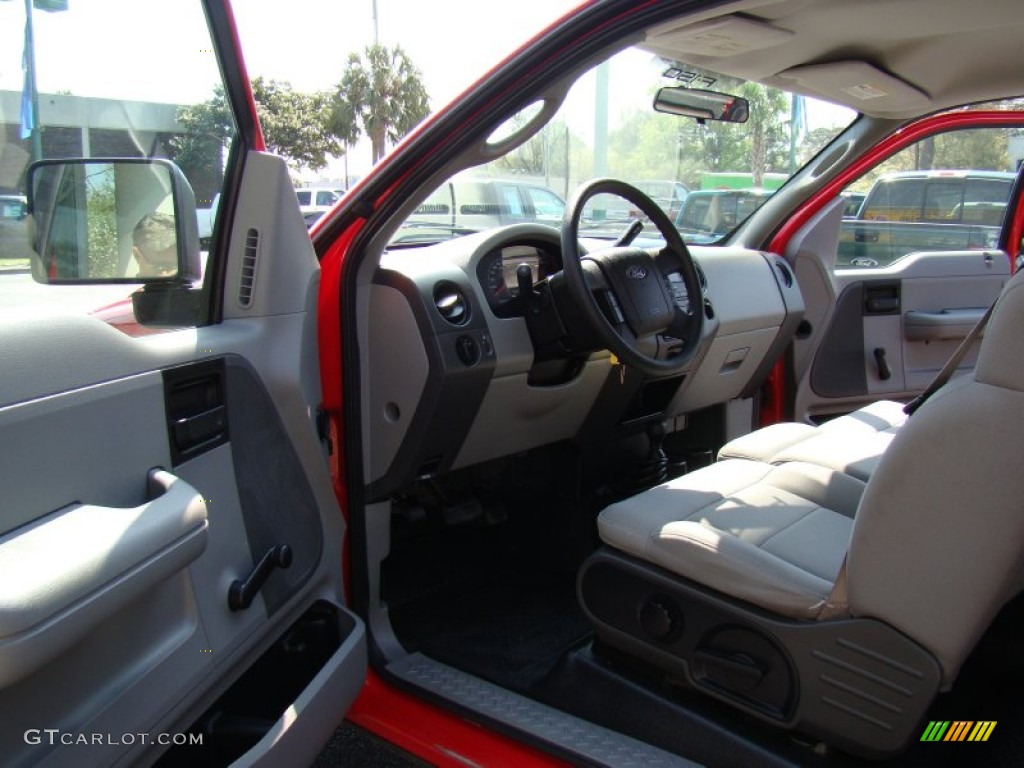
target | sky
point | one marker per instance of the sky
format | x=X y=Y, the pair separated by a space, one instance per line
x=303 y=42
x=452 y=42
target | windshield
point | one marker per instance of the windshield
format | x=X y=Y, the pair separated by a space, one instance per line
x=708 y=177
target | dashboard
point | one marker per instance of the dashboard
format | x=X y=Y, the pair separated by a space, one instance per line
x=451 y=377
x=497 y=275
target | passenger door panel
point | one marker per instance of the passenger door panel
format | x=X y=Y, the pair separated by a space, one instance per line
x=892 y=329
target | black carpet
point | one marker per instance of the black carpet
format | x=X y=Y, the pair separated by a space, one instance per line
x=506 y=626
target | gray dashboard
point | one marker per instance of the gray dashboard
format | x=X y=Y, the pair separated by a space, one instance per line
x=448 y=380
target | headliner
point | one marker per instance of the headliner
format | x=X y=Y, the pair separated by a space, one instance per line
x=886 y=58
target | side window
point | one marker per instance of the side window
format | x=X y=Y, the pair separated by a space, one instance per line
x=943 y=200
x=948 y=192
x=694 y=213
x=547 y=206
x=81 y=81
x=304 y=196
x=511 y=203
x=325 y=197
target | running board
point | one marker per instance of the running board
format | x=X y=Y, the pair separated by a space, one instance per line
x=588 y=743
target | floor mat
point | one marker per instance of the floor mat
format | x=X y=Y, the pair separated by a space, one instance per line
x=508 y=627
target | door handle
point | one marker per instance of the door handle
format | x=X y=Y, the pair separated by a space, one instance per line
x=241 y=593
x=884 y=371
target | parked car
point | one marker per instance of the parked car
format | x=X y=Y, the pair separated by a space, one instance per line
x=506 y=497
x=13 y=228
x=317 y=199
x=667 y=194
x=205 y=218
x=938 y=210
x=710 y=214
x=465 y=205
x=854 y=200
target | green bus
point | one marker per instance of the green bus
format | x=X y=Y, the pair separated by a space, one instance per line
x=740 y=180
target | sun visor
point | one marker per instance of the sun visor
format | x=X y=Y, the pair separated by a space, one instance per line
x=725 y=36
x=859 y=85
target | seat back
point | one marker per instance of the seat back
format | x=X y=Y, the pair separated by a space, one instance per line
x=939 y=535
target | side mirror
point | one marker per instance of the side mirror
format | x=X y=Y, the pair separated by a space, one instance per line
x=701 y=104
x=130 y=220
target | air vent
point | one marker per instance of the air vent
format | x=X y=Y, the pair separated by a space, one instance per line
x=452 y=303
x=701 y=277
x=783 y=269
x=250 y=255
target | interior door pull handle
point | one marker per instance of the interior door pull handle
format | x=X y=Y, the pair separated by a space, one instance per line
x=241 y=593
x=884 y=371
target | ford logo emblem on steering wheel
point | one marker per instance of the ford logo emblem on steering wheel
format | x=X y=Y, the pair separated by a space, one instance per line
x=636 y=273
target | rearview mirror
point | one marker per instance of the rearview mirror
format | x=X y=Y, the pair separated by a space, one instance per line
x=129 y=220
x=701 y=104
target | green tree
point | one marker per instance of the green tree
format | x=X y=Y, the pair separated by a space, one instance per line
x=813 y=142
x=199 y=147
x=294 y=126
x=984 y=149
x=380 y=93
x=295 y=123
x=765 y=130
x=101 y=221
x=644 y=146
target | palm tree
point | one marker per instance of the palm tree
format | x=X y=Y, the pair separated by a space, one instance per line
x=381 y=93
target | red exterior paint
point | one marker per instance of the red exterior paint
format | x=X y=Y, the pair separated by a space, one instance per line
x=773 y=396
x=258 y=142
x=773 y=392
x=330 y=348
x=435 y=735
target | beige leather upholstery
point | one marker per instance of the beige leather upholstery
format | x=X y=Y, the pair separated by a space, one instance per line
x=937 y=540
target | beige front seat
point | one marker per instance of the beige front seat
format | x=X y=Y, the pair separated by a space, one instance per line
x=853 y=443
x=714 y=575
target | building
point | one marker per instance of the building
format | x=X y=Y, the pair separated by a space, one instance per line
x=74 y=126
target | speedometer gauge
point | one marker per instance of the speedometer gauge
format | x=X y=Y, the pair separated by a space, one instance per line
x=496 y=272
x=494 y=281
x=512 y=257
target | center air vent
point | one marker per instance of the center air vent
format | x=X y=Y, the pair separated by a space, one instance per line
x=452 y=303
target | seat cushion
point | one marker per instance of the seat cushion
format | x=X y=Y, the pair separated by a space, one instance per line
x=852 y=444
x=774 y=536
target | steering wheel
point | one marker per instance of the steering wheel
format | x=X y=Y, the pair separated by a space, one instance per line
x=638 y=285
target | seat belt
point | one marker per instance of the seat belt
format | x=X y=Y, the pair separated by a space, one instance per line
x=952 y=364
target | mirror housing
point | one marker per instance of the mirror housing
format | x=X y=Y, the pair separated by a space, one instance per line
x=112 y=220
x=701 y=104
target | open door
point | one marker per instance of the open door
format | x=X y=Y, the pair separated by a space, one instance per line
x=893 y=287
x=171 y=549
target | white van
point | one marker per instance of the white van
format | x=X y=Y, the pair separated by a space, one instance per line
x=463 y=206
